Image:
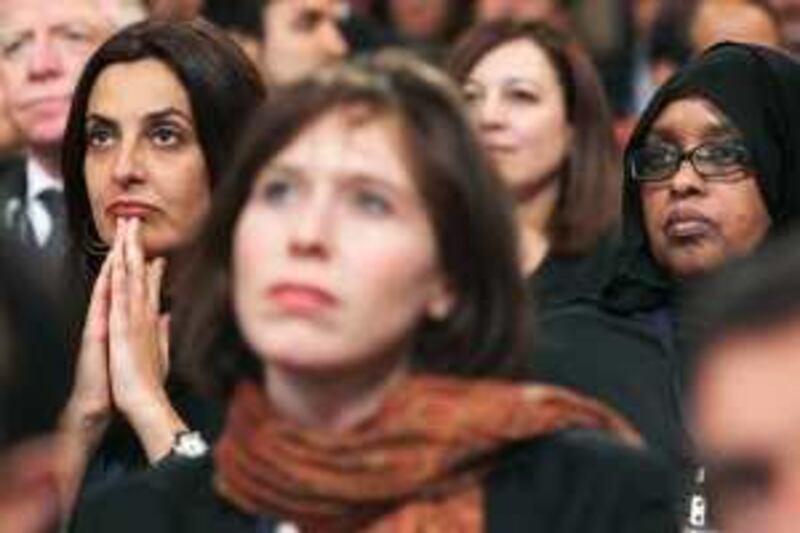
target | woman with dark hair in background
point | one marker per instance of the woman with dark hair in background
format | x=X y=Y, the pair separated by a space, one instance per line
x=539 y=108
x=153 y=122
x=363 y=314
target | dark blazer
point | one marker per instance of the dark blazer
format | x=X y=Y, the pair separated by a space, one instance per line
x=13 y=186
x=576 y=481
x=13 y=197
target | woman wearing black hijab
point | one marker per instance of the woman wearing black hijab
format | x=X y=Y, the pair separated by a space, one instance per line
x=712 y=172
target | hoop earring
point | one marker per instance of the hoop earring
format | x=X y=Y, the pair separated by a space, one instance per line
x=91 y=244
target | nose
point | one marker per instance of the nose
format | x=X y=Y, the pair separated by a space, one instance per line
x=490 y=111
x=333 y=41
x=45 y=60
x=686 y=181
x=311 y=229
x=128 y=165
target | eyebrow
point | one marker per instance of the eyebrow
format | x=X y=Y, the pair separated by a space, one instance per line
x=154 y=116
x=296 y=171
x=713 y=131
x=514 y=80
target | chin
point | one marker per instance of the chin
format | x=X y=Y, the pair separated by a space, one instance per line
x=46 y=128
x=690 y=267
x=302 y=358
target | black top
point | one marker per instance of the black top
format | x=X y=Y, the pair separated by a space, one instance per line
x=627 y=348
x=121 y=454
x=576 y=481
x=565 y=279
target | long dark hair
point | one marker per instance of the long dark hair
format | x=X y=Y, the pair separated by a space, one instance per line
x=467 y=205
x=223 y=88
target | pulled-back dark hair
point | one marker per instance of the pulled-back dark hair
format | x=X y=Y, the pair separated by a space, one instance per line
x=590 y=179
x=467 y=206
x=223 y=89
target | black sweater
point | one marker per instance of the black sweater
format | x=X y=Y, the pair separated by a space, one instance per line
x=577 y=481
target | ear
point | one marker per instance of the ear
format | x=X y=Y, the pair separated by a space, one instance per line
x=442 y=300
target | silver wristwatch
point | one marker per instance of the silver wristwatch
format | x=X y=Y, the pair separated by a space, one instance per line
x=189 y=444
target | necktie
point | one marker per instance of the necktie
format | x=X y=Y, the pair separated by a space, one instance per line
x=19 y=223
x=53 y=202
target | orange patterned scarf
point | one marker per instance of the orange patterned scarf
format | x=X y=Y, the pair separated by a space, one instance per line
x=415 y=466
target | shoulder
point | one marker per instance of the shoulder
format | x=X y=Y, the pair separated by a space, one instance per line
x=580 y=481
x=619 y=359
x=584 y=333
x=563 y=279
x=173 y=496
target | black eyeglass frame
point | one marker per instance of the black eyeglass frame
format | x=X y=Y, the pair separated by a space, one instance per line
x=742 y=163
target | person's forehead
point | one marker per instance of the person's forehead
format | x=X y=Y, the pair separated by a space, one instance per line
x=692 y=115
x=326 y=7
x=30 y=14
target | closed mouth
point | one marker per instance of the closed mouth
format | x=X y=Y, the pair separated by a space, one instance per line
x=129 y=208
x=688 y=224
x=301 y=297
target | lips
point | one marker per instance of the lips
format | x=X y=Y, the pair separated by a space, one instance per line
x=498 y=147
x=129 y=208
x=684 y=223
x=301 y=298
x=45 y=101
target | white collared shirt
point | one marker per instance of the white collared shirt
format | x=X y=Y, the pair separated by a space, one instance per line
x=38 y=180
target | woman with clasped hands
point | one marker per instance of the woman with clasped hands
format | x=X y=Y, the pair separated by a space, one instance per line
x=155 y=115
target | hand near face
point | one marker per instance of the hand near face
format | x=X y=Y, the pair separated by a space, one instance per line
x=138 y=358
x=89 y=409
x=124 y=360
x=135 y=360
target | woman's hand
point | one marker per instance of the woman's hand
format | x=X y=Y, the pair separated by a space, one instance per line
x=138 y=358
x=85 y=418
x=89 y=408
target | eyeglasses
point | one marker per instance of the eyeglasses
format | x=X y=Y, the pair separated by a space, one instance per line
x=714 y=161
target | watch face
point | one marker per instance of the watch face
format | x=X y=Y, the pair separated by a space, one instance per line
x=190 y=444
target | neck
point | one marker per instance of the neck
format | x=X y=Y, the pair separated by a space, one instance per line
x=331 y=400
x=534 y=213
x=49 y=157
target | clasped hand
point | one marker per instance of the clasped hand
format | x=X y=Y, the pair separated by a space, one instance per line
x=124 y=355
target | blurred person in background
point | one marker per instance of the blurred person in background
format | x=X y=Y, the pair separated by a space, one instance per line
x=666 y=50
x=425 y=26
x=658 y=27
x=539 y=108
x=747 y=21
x=381 y=398
x=299 y=37
x=789 y=15
x=710 y=176
x=174 y=9
x=744 y=401
x=241 y=20
x=34 y=380
x=155 y=118
x=554 y=12
x=43 y=48
x=9 y=136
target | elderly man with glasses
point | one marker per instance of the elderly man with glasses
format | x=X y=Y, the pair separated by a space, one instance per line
x=711 y=175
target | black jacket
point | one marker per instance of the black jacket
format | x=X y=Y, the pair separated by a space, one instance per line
x=577 y=481
x=627 y=348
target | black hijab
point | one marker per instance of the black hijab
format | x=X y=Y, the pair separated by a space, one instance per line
x=758 y=89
